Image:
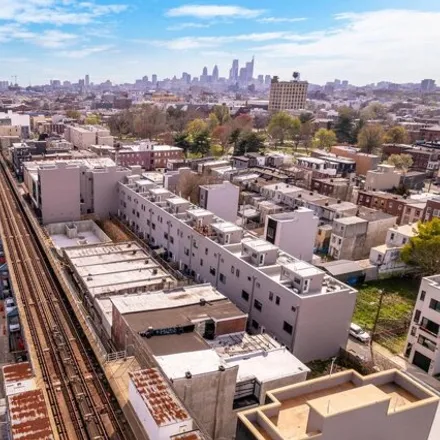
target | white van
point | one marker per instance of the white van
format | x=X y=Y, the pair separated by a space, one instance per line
x=359 y=333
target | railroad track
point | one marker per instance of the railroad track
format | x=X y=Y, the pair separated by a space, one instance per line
x=81 y=402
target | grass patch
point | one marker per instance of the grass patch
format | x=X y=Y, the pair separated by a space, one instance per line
x=400 y=295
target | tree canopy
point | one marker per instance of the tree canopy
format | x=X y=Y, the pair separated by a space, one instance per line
x=344 y=125
x=283 y=126
x=422 y=250
x=324 y=139
x=397 y=135
x=250 y=142
x=370 y=138
x=401 y=161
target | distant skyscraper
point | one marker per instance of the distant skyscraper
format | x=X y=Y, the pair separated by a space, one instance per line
x=154 y=78
x=267 y=80
x=243 y=75
x=260 y=79
x=250 y=70
x=215 y=73
x=233 y=73
x=427 y=85
x=186 y=77
x=205 y=71
x=87 y=81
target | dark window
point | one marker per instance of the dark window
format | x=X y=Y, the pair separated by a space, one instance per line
x=255 y=324
x=287 y=327
x=171 y=240
x=245 y=295
x=148 y=222
x=206 y=251
x=258 y=305
x=422 y=295
x=297 y=280
x=429 y=326
x=222 y=278
x=293 y=309
x=417 y=315
x=186 y=251
x=249 y=278
x=434 y=305
x=153 y=225
x=430 y=345
x=201 y=261
x=212 y=270
x=165 y=235
x=270 y=296
x=232 y=269
x=413 y=331
x=237 y=273
x=277 y=300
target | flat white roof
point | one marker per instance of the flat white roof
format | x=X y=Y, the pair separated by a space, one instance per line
x=259 y=245
x=178 y=297
x=175 y=366
x=226 y=227
x=268 y=366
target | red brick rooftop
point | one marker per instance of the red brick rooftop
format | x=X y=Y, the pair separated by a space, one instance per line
x=17 y=372
x=160 y=400
x=29 y=417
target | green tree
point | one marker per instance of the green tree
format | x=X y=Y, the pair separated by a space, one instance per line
x=324 y=139
x=93 y=119
x=73 y=114
x=283 y=126
x=344 y=125
x=222 y=113
x=422 y=251
x=216 y=150
x=213 y=122
x=370 y=138
x=196 y=126
x=250 y=142
x=305 y=117
x=182 y=140
x=200 y=143
x=401 y=161
x=396 y=135
x=374 y=110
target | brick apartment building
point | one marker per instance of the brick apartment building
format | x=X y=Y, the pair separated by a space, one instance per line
x=385 y=202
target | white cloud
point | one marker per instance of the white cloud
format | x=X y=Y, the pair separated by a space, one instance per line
x=398 y=45
x=281 y=20
x=186 y=43
x=85 y=51
x=179 y=27
x=56 y=12
x=213 y=11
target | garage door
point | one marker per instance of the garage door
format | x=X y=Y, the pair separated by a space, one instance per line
x=421 y=361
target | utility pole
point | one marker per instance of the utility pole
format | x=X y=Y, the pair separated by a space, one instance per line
x=376 y=319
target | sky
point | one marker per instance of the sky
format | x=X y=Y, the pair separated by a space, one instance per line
x=363 y=41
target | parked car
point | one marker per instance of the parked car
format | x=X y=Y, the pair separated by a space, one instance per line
x=359 y=333
x=14 y=327
x=9 y=305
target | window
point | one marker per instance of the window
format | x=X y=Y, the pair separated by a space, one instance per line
x=255 y=324
x=171 y=240
x=258 y=285
x=306 y=286
x=429 y=326
x=206 y=251
x=422 y=295
x=245 y=295
x=237 y=273
x=430 y=345
x=186 y=251
x=277 y=300
x=270 y=296
x=165 y=235
x=413 y=330
x=287 y=327
x=434 y=305
x=293 y=309
x=392 y=236
x=417 y=316
x=201 y=261
x=212 y=270
x=222 y=278
x=148 y=222
x=232 y=269
x=258 y=305
x=297 y=281
x=153 y=225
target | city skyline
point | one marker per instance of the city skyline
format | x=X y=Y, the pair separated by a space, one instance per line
x=364 y=44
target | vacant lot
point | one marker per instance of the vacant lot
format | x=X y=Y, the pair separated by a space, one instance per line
x=400 y=295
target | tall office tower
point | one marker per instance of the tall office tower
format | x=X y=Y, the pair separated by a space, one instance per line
x=215 y=73
x=267 y=79
x=87 y=81
x=205 y=71
x=260 y=79
x=186 y=77
x=288 y=95
x=243 y=75
x=233 y=73
x=250 y=70
x=154 y=78
x=427 y=85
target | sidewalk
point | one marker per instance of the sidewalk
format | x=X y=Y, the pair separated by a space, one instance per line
x=410 y=369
